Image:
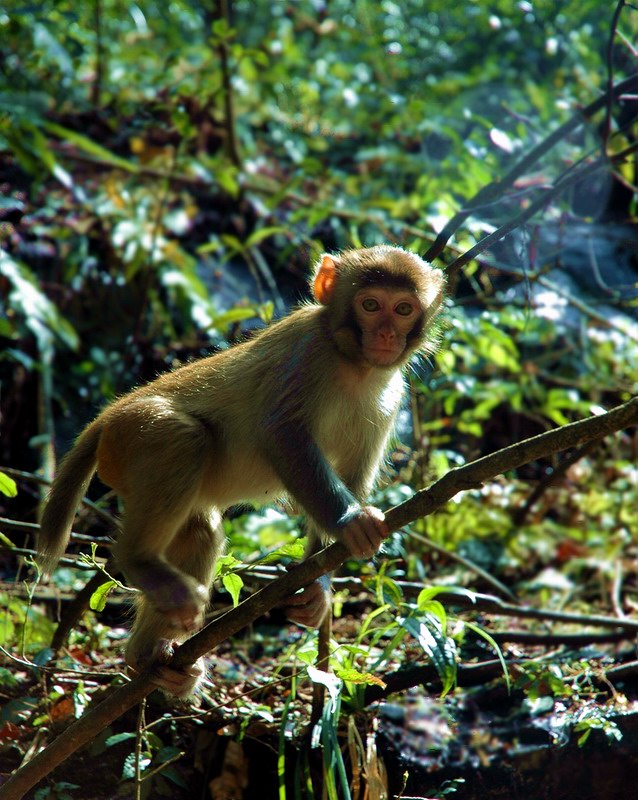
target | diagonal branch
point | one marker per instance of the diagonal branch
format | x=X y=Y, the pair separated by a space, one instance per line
x=423 y=503
x=497 y=188
x=565 y=181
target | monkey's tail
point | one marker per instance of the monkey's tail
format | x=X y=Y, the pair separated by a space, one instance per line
x=67 y=490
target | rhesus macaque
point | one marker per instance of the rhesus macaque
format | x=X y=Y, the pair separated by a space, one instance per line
x=305 y=409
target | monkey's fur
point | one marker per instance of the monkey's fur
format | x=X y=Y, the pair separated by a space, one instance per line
x=305 y=408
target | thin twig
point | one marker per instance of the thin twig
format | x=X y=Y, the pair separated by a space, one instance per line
x=232 y=145
x=606 y=126
x=493 y=605
x=467 y=563
x=616 y=590
x=96 y=85
x=520 y=514
x=31 y=477
x=139 y=740
x=74 y=610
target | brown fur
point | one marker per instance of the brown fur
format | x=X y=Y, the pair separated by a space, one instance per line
x=227 y=429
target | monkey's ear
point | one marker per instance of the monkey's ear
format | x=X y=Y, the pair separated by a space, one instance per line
x=325 y=279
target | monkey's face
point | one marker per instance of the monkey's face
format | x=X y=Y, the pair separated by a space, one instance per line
x=379 y=303
x=386 y=317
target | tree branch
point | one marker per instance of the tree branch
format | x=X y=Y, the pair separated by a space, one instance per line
x=567 y=179
x=496 y=189
x=422 y=504
x=606 y=126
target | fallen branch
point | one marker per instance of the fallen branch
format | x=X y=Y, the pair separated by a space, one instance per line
x=422 y=504
x=478 y=674
x=621 y=626
x=569 y=640
x=493 y=605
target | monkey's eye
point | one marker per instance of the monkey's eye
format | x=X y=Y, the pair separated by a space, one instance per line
x=370 y=304
x=404 y=309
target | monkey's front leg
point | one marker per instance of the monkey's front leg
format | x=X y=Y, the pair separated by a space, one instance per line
x=309 y=606
x=331 y=506
x=323 y=495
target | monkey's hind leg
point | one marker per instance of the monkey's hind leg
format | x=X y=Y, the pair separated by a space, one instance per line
x=194 y=551
x=155 y=459
x=142 y=554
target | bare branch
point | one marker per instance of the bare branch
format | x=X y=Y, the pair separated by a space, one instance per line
x=566 y=180
x=606 y=127
x=497 y=188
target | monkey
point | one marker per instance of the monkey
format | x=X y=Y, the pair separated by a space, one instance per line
x=304 y=409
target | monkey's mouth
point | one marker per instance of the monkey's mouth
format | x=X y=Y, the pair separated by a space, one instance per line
x=381 y=357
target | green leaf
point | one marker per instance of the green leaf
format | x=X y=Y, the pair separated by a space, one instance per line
x=191 y=285
x=308 y=652
x=430 y=634
x=437 y=610
x=425 y=595
x=153 y=740
x=226 y=563
x=222 y=29
x=40 y=314
x=582 y=739
x=100 y=595
x=388 y=591
x=42 y=657
x=264 y=233
x=233 y=242
x=118 y=738
x=6 y=541
x=233 y=585
x=173 y=775
x=485 y=635
x=266 y=311
x=8 y=486
x=227 y=180
x=235 y=315
x=354 y=676
x=168 y=753
x=7 y=680
x=89 y=146
x=293 y=550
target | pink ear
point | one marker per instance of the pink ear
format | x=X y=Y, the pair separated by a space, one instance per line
x=325 y=280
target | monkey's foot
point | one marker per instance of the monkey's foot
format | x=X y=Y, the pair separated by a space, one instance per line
x=182 y=603
x=309 y=606
x=176 y=682
x=180 y=683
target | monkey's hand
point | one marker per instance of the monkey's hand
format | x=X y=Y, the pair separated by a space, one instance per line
x=309 y=606
x=362 y=531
